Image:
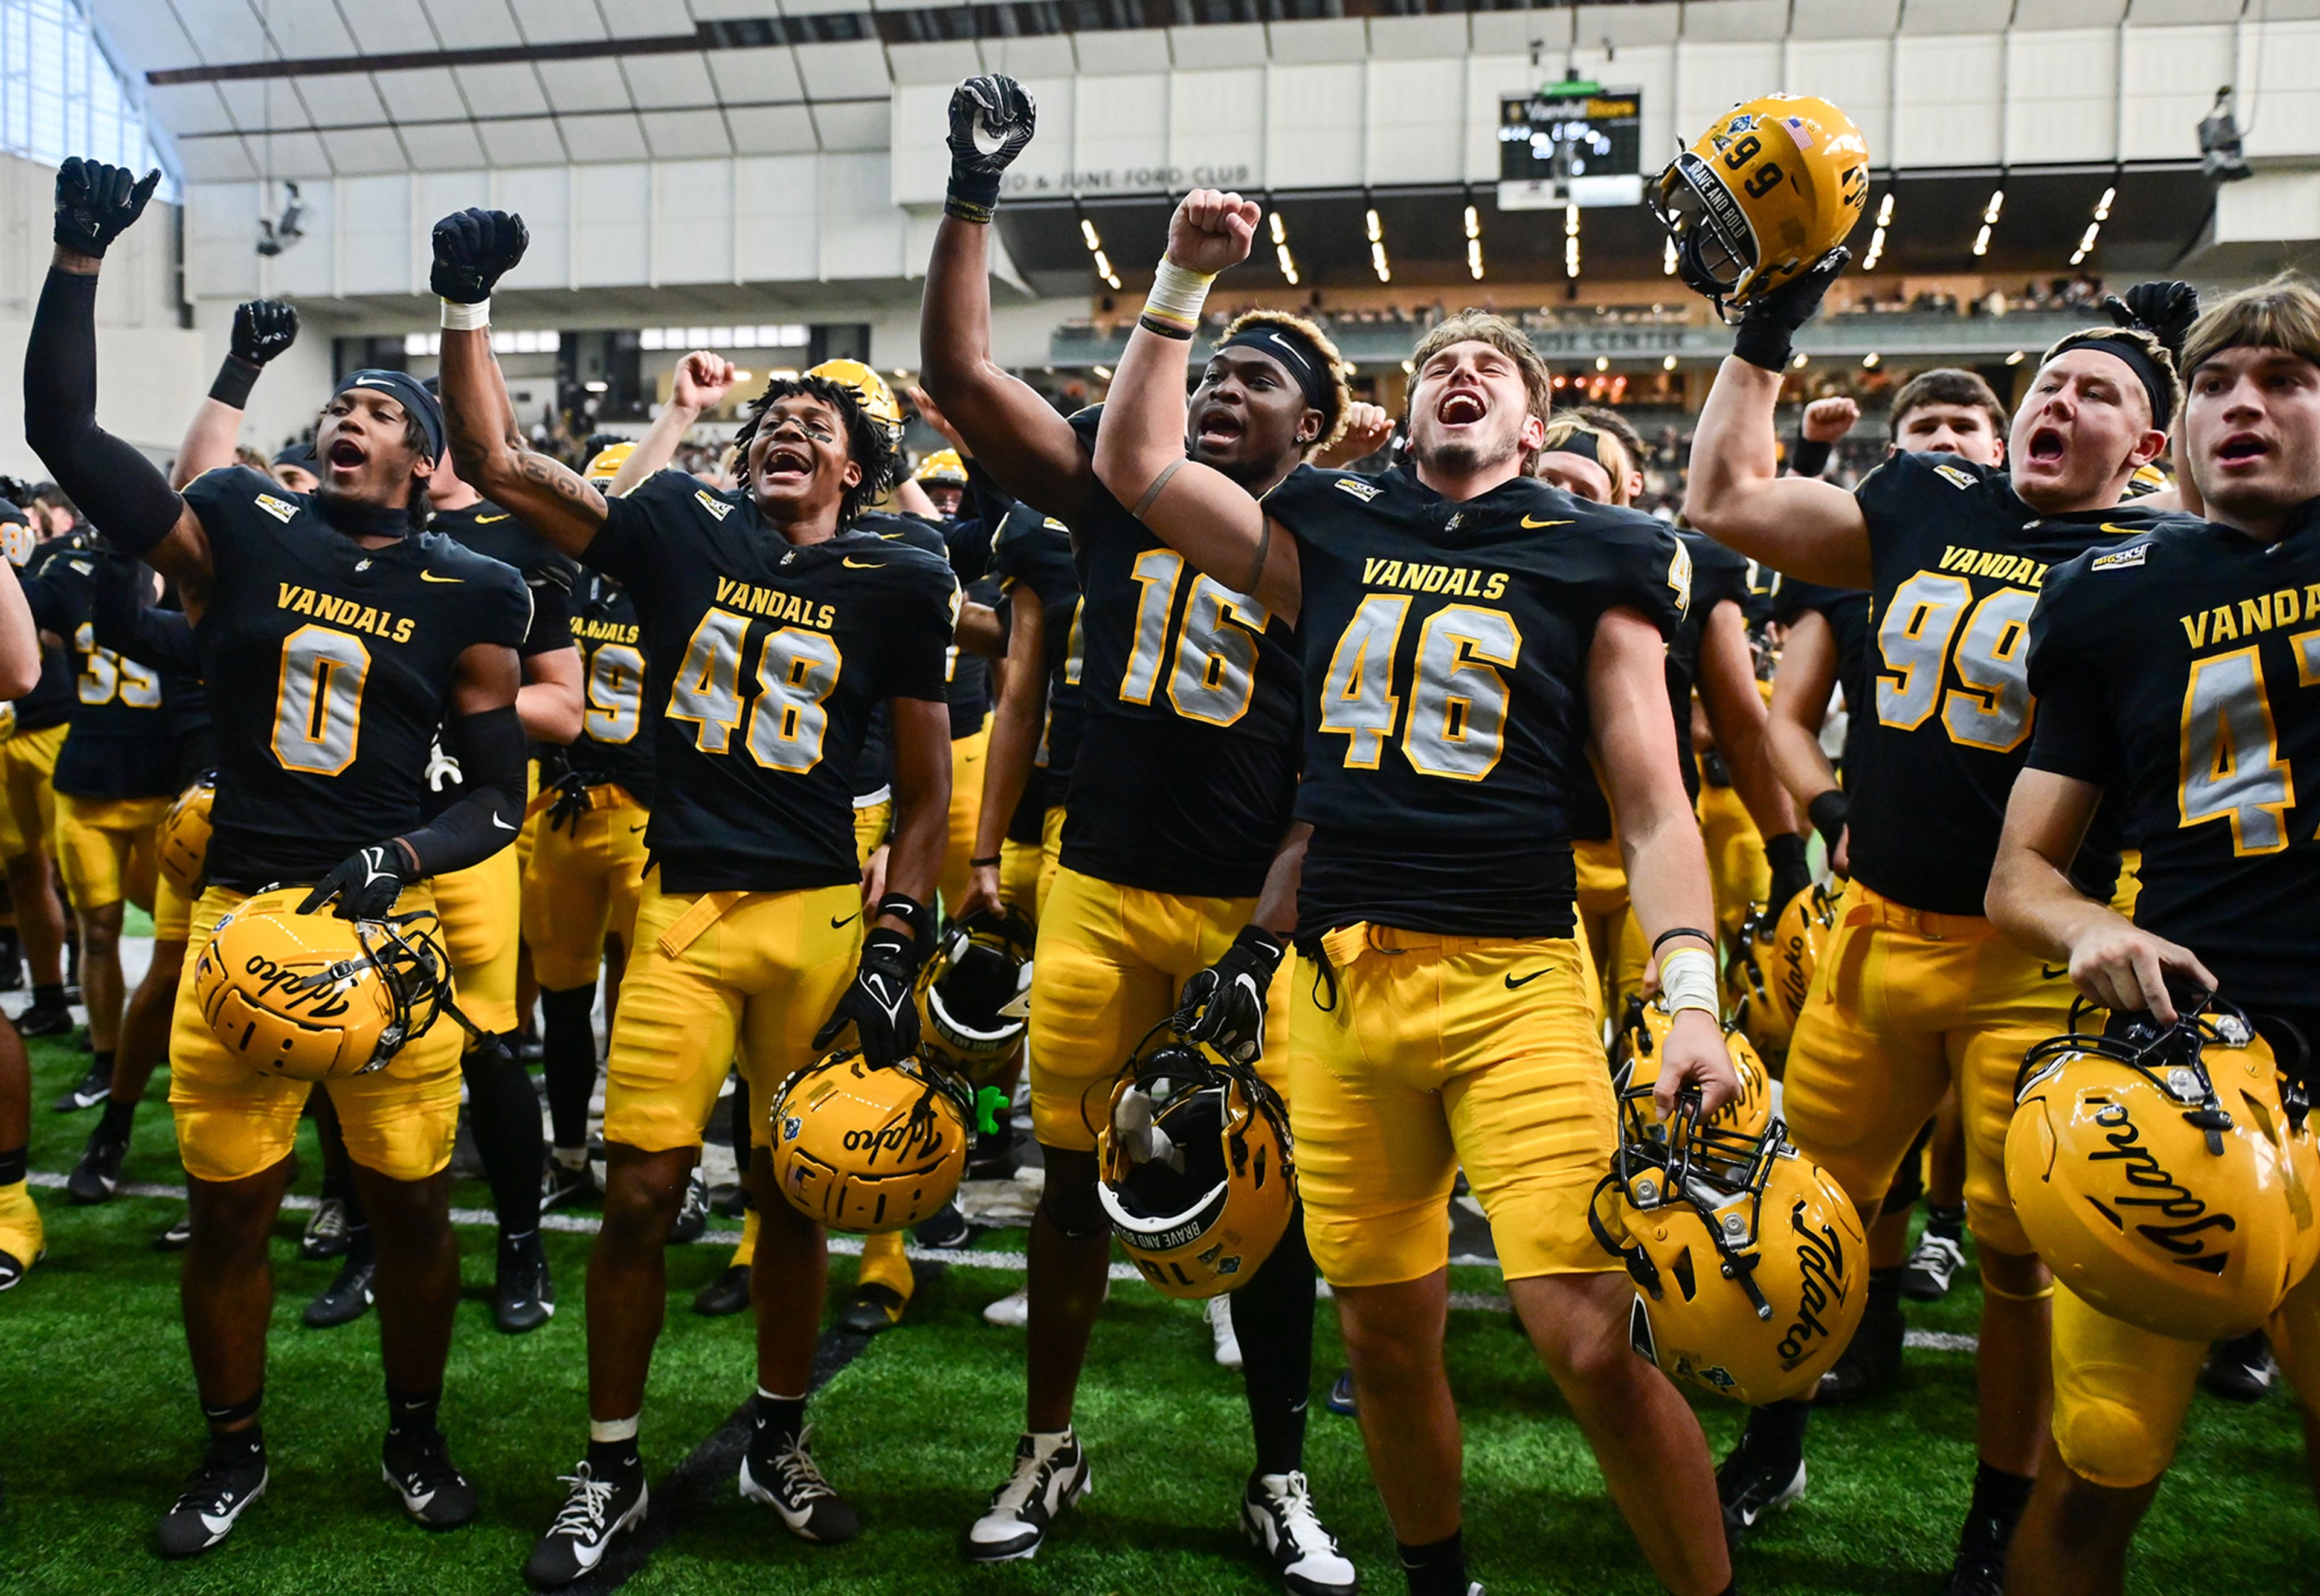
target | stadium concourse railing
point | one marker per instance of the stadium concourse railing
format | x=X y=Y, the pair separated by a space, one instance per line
x=1914 y=336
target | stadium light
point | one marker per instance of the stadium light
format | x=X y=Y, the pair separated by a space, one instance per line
x=2017 y=358
x=1280 y=232
x=1869 y=361
x=1602 y=362
x=1800 y=361
x=1981 y=241
x=1104 y=373
x=2102 y=205
x=1997 y=203
x=1087 y=232
x=1474 y=243
x=1377 y=247
x=1280 y=249
x=1667 y=257
x=1376 y=233
x=1667 y=362
x=1885 y=210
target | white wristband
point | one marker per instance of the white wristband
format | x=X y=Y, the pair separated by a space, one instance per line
x=467 y=318
x=1688 y=981
x=1177 y=296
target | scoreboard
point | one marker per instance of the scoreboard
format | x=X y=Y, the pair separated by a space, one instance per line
x=1570 y=143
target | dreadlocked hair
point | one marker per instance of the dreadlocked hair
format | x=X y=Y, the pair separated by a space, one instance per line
x=869 y=444
x=1338 y=412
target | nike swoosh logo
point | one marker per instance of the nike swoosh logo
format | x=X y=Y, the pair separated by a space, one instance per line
x=502 y=824
x=431 y=576
x=850 y=563
x=484 y=521
x=849 y=919
x=217 y=1525
x=2050 y=972
x=634 y=830
x=416 y=1503
x=2124 y=532
x=1535 y=525
x=1512 y=984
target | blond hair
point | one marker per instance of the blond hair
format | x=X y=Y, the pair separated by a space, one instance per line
x=2142 y=339
x=1605 y=427
x=2281 y=315
x=1339 y=410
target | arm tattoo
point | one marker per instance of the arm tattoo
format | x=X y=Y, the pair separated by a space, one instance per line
x=553 y=475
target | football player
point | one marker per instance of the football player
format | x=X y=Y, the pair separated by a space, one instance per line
x=1915 y=991
x=22 y=661
x=1462 y=625
x=769 y=627
x=1593 y=454
x=114 y=775
x=482 y=907
x=28 y=760
x=586 y=872
x=150 y=639
x=2174 y=676
x=335 y=639
x=1180 y=794
x=1825 y=643
x=942 y=477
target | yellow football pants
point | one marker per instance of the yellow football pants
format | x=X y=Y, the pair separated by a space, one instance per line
x=27 y=811
x=107 y=848
x=1414 y=1055
x=482 y=911
x=582 y=884
x=234 y=1122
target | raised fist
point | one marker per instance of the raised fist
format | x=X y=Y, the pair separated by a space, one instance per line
x=2166 y=309
x=1828 y=420
x=96 y=203
x=991 y=122
x=473 y=248
x=263 y=328
x=1211 y=231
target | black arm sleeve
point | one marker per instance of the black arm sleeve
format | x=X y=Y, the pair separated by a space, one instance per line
x=120 y=620
x=115 y=485
x=486 y=818
x=50 y=612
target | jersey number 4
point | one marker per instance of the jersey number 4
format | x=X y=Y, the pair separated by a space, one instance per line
x=797 y=671
x=1931 y=629
x=2231 y=764
x=1457 y=723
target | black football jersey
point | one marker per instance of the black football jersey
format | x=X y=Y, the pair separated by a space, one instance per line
x=615 y=742
x=1846 y=612
x=1716 y=575
x=1445 y=712
x=970 y=673
x=762 y=662
x=1947 y=720
x=495 y=534
x=2180 y=672
x=328 y=667
x=50 y=700
x=118 y=743
x=1188 y=757
x=1032 y=559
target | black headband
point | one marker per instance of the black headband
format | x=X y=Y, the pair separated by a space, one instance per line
x=1584 y=441
x=2146 y=370
x=1296 y=354
x=407 y=390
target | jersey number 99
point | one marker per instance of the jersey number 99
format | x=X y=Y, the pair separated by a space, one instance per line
x=1457 y=723
x=1989 y=708
x=797 y=671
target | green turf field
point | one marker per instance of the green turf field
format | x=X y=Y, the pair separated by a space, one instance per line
x=98 y=1425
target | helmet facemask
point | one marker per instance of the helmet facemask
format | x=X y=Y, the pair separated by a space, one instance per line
x=1715 y=247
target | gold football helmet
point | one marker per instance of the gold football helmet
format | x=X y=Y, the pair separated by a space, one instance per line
x=878 y=401
x=183 y=840
x=943 y=466
x=1636 y=1062
x=1750 y=1262
x=973 y=994
x=315 y=997
x=608 y=461
x=1770 y=188
x=2164 y=1176
x=1773 y=967
x=856 y=1148
x=1198 y=1173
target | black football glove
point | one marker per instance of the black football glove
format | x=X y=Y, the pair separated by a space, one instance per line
x=882 y=1004
x=263 y=328
x=1224 y=1004
x=365 y=884
x=1828 y=814
x=2165 y=309
x=990 y=120
x=570 y=803
x=473 y=248
x=1791 y=874
x=96 y=203
x=1768 y=326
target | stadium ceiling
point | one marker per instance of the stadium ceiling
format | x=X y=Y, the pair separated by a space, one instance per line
x=2155 y=216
